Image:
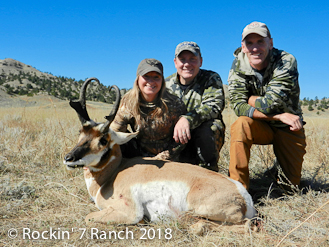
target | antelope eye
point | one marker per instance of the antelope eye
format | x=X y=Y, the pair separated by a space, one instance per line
x=103 y=141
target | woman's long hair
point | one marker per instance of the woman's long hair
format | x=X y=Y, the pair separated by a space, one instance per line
x=134 y=97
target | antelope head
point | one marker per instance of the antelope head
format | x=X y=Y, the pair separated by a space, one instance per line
x=97 y=143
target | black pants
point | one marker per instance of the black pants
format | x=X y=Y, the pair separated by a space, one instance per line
x=130 y=149
x=204 y=146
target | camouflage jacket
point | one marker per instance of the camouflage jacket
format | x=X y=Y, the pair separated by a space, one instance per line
x=279 y=89
x=204 y=97
x=155 y=135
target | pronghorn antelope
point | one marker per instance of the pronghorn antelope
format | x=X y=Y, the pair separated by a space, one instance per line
x=126 y=190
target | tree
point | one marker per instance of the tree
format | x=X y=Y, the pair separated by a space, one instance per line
x=10 y=90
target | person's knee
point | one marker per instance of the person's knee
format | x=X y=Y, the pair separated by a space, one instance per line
x=240 y=129
x=209 y=134
x=242 y=122
x=208 y=139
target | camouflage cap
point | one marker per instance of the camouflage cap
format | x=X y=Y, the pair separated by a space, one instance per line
x=148 y=65
x=256 y=27
x=188 y=46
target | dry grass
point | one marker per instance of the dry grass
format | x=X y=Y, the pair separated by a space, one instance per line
x=37 y=192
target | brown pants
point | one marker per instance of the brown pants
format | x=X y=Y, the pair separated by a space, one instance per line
x=289 y=148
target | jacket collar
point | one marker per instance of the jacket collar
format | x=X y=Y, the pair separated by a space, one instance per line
x=242 y=62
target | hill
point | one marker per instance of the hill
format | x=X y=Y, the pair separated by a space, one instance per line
x=19 y=81
x=17 y=78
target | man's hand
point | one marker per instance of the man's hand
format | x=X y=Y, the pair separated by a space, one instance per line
x=182 y=132
x=292 y=120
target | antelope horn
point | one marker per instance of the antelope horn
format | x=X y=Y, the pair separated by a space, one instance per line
x=114 y=110
x=80 y=105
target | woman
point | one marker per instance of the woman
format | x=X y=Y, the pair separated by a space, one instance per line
x=151 y=110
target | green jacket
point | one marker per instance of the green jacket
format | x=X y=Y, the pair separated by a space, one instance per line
x=279 y=87
x=204 y=97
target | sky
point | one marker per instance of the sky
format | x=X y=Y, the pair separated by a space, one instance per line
x=108 y=39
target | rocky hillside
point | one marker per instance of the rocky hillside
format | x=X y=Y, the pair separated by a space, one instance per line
x=17 y=78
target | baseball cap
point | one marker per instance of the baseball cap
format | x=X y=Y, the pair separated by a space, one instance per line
x=188 y=46
x=148 y=65
x=256 y=27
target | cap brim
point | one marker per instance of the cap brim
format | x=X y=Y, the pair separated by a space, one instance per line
x=263 y=34
x=195 y=53
x=150 y=69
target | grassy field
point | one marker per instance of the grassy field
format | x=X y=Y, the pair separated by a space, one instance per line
x=39 y=196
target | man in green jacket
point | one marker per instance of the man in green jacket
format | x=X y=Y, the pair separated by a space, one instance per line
x=202 y=128
x=264 y=92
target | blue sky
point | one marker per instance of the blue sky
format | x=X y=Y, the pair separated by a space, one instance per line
x=108 y=39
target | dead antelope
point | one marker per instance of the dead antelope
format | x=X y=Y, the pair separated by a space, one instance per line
x=126 y=190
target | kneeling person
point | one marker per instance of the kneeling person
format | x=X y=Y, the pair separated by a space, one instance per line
x=202 y=128
x=264 y=91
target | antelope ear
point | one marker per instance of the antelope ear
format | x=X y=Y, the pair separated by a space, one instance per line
x=121 y=137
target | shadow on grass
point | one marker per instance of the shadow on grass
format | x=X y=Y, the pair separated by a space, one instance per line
x=266 y=185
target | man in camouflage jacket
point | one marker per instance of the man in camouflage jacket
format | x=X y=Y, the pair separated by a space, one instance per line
x=202 y=128
x=264 y=92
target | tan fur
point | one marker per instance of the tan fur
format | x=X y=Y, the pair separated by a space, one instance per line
x=203 y=190
x=116 y=184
